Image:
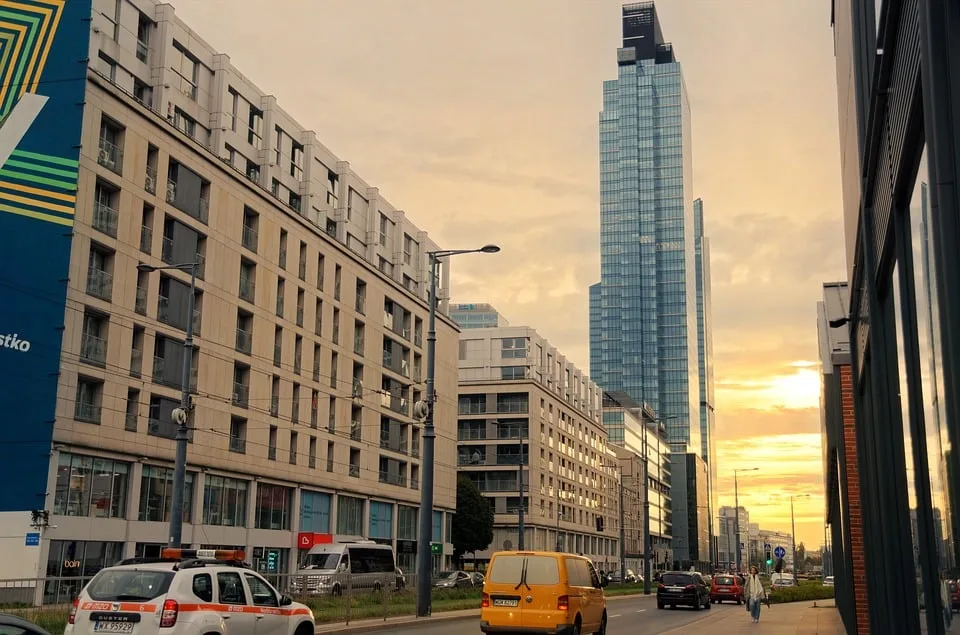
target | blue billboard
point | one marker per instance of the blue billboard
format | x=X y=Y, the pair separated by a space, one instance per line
x=44 y=45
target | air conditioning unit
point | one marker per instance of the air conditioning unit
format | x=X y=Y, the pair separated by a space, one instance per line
x=150 y=182
x=171 y=190
x=358 y=389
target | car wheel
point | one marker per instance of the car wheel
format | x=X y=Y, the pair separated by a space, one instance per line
x=709 y=605
x=603 y=625
x=576 y=627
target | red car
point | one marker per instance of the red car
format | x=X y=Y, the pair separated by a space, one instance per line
x=726 y=587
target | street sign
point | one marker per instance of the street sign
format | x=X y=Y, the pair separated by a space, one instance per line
x=779 y=552
x=33 y=539
x=767 y=546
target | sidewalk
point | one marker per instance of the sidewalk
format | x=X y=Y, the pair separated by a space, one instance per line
x=797 y=618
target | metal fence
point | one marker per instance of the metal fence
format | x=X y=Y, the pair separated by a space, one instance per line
x=338 y=598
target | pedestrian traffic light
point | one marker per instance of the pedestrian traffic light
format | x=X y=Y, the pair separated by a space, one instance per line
x=767 y=556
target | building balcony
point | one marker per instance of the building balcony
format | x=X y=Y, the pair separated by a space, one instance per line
x=100 y=284
x=247 y=290
x=105 y=219
x=393 y=479
x=244 y=341
x=110 y=156
x=238 y=445
x=140 y=305
x=136 y=363
x=241 y=394
x=146 y=239
x=88 y=412
x=150 y=179
x=93 y=350
x=249 y=239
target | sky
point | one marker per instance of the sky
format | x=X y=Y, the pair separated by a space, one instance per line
x=480 y=121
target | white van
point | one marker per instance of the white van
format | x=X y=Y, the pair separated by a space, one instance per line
x=332 y=569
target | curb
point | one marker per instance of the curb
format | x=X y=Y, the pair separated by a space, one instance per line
x=397 y=622
x=389 y=624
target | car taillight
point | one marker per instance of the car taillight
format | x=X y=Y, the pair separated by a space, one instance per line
x=563 y=603
x=485 y=601
x=660 y=586
x=169 y=615
x=73 y=611
x=689 y=587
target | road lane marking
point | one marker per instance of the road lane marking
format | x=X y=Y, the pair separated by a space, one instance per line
x=641 y=610
x=617 y=615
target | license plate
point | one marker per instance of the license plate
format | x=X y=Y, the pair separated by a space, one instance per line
x=502 y=602
x=675 y=589
x=113 y=627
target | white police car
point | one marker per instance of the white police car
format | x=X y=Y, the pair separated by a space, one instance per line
x=186 y=592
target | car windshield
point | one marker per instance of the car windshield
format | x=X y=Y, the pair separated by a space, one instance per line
x=678 y=579
x=129 y=585
x=724 y=580
x=322 y=561
x=447 y=575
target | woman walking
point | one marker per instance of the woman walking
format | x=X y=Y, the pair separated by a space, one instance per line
x=755 y=593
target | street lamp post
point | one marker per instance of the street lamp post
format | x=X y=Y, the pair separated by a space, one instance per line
x=793 y=535
x=425 y=410
x=736 y=512
x=181 y=415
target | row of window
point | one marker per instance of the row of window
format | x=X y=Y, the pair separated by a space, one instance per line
x=100 y=487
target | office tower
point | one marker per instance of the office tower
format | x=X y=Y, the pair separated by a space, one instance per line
x=309 y=325
x=643 y=318
x=476 y=316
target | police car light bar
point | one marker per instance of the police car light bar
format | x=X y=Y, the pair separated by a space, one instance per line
x=229 y=555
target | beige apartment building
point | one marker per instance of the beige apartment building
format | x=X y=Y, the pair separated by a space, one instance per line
x=531 y=420
x=310 y=323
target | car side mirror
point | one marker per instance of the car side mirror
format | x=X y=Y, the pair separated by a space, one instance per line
x=285 y=600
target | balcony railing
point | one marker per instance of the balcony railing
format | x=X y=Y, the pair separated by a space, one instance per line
x=238 y=445
x=471 y=434
x=314 y=417
x=244 y=341
x=250 y=238
x=136 y=362
x=146 y=239
x=297 y=364
x=100 y=283
x=247 y=289
x=358 y=345
x=241 y=394
x=299 y=316
x=93 y=349
x=150 y=179
x=140 y=306
x=110 y=156
x=312 y=461
x=105 y=219
x=272 y=453
x=86 y=411
x=280 y=306
x=130 y=422
x=171 y=191
x=142 y=50
x=418 y=339
x=277 y=354
x=393 y=479
x=354 y=471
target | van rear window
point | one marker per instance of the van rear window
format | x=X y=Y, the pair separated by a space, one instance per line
x=540 y=570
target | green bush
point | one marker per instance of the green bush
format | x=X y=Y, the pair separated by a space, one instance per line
x=808 y=590
x=327 y=609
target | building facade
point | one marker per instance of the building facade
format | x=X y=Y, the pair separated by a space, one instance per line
x=840 y=465
x=476 y=316
x=530 y=434
x=727 y=539
x=637 y=436
x=777 y=539
x=691 y=522
x=708 y=424
x=643 y=317
x=896 y=60
x=309 y=325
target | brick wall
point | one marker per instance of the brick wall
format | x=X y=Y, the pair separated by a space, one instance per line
x=853 y=499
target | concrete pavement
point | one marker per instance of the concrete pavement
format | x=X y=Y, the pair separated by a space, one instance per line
x=797 y=618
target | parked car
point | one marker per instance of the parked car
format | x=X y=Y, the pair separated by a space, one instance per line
x=828 y=581
x=683 y=588
x=452 y=580
x=330 y=568
x=726 y=587
x=477 y=578
x=562 y=594
x=13 y=625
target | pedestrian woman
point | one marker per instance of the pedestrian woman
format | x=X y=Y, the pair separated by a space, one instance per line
x=755 y=593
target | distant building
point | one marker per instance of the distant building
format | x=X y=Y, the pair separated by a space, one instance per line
x=777 y=539
x=691 y=512
x=476 y=316
x=727 y=538
x=529 y=433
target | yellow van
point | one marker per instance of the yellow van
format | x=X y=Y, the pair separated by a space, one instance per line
x=542 y=592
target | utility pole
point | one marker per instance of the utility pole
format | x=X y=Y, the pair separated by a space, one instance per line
x=520 y=529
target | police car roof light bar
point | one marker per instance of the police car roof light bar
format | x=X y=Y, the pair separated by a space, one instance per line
x=223 y=555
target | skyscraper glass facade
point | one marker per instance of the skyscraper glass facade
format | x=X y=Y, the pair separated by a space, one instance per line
x=708 y=442
x=643 y=318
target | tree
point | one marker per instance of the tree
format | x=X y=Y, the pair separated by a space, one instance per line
x=473 y=522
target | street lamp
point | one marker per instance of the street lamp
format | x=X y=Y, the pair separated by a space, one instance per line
x=793 y=535
x=736 y=511
x=181 y=415
x=424 y=410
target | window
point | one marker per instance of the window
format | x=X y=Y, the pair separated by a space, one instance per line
x=106 y=67
x=143 y=93
x=93 y=342
x=248 y=276
x=132 y=413
x=156 y=494
x=381 y=520
x=244 y=342
x=262 y=594
x=315 y=512
x=386 y=229
x=187 y=68
x=272 y=444
x=354 y=462
x=255 y=128
x=110 y=153
x=358 y=337
x=99 y=272
x=406 y=522
x=312 y=452
x=282 y=256
x=203 y=587
x=301 y=297
x=281 y=292
x=234 y=107
x=302 y=270
x=241 y=384
x=146 y=229
x=296 y=161
x=277 y=346
x=409 y=249
x=321 y=264
x=89 y=486
x=251 y=223
x=230 y=589
x=224 y=502
x=238 y=435
x=184 y=122
x=273 y=507
x=361 y=300
x=349 y=516
x=513 y=372
x=513 y=348
x=89 y=398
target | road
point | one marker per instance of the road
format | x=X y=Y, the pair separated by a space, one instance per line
x=627 y=616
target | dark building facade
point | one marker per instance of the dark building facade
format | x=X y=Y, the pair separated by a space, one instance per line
x=896 y=60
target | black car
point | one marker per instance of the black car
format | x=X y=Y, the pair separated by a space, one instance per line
x=683 y=588
x=13 y=625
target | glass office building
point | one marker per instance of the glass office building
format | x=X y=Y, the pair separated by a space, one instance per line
x=643 y=317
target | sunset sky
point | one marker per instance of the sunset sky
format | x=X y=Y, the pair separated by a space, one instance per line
x=479 y=120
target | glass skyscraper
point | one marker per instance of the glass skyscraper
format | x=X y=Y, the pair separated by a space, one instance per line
x=644 y=311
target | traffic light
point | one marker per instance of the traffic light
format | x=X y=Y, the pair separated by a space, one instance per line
x=768 y=557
